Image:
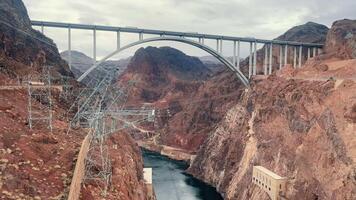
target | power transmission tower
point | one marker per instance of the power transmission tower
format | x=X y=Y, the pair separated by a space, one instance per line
x=39 y=99
x=101 y=109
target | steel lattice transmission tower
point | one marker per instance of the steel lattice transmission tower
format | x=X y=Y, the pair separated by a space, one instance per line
x=100 y=108
x=40 y=99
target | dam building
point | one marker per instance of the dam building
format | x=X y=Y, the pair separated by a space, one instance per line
x=273 y=184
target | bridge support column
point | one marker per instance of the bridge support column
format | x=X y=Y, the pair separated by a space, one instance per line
x=250 y=62
x=202 y=41
x=69 y=48
x=238 y=55
x=42 y=29
x=140 y=36
x=221 y=46
x=270 y=58
x=308 y=52
x=234 y=56
x=94 y=46
x=217 y=45
x=118 y=40
x=280 y=56
x=286 y=55
x=254 y=58
x=294 y=56
x=300 y=56
x=265 y=60
x=314 y=51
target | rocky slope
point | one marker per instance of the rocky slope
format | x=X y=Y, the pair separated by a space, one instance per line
x=23 y=49
x=180 y=88
x=38 y=164
x=297 y=123
x=341 y=39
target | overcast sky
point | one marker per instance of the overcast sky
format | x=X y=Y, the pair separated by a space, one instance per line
x=264 y=19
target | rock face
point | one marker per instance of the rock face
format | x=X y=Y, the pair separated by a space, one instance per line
x=297 y=123
x=309 y=32
x=341 y=39
x=160 y=62
x=36 y=163
x=22 y=48
x=82 y=62
x=182 y=90
x=127 y=177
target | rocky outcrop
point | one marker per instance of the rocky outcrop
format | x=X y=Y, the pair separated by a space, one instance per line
x=309 y=32
x=298 y=123
x=23 y=49
x=290 y=127
x=127 y=182
x=189 y=101
x=341 y=39
x=37 y=163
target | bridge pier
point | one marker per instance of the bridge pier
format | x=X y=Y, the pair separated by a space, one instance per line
x=270 y=58
x=294 y=57
x=234 y=56
x=94 y=46
x=254 y=58
x=118 y=40
x=280 y=56
x=238 y=55
x=140 y=36
x=217 y=45
x=69 y=48
x=286 y=55
x=250 y=62
x=314 y=52
x=300 y=56
x=265 y=60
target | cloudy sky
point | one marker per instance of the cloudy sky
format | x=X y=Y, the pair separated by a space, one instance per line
x=265 y=19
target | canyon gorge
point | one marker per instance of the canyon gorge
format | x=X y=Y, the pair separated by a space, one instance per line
x=297 y=122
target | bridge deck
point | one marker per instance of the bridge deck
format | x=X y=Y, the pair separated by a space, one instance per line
x=167 y=33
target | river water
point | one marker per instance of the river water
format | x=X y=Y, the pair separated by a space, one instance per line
x=171 y=183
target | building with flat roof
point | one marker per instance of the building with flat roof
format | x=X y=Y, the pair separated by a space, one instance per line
x=273 y=184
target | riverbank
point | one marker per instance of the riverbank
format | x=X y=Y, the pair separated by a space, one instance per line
x=170 y=152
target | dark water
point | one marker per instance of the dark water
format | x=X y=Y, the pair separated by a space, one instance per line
x=171 y=183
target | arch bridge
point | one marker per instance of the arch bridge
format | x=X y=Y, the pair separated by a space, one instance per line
x=197 y=40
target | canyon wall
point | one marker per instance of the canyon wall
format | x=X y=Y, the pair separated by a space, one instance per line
x=37 y=163
x=298 y=123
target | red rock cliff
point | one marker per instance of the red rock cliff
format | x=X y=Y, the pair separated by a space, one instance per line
x=299 y=125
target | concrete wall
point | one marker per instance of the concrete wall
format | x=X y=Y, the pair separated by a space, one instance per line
x=79 y=170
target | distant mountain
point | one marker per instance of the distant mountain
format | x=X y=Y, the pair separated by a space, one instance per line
x=165 y=60
x=82 y=62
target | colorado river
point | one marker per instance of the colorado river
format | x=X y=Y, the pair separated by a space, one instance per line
x=171 y=183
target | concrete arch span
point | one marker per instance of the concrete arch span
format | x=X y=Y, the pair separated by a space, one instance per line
x=207 y=49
